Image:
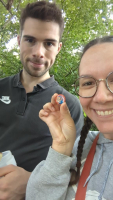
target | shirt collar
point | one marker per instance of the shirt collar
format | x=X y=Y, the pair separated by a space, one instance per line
x=45 y=84
x=16 y=80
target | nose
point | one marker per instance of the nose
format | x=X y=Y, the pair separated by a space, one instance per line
x=38 y=50
x=102 y=95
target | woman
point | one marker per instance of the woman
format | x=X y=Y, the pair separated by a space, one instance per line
x=52 y=179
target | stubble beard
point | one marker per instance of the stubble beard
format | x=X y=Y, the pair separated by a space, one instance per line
x=34 y=72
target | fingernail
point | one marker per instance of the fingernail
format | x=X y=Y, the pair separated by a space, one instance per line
x=45 y=113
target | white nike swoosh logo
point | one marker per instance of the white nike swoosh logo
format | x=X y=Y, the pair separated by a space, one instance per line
x=5 y=101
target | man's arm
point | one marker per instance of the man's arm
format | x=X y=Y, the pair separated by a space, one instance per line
x=13 y=182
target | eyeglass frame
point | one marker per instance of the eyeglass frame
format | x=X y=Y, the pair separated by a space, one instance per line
x=97 y=83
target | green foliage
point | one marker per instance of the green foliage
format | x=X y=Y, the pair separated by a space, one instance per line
x=84 y=20
x=93 y=128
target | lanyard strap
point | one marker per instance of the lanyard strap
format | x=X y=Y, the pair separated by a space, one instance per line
x=81 y=191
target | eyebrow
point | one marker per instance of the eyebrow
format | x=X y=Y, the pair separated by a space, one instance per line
x=46 y=40
x=28 y=36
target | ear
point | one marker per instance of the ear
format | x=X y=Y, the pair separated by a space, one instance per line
x=18 y=39
x=59 y=47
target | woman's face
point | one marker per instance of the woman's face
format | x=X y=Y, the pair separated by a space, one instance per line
x=98 y=63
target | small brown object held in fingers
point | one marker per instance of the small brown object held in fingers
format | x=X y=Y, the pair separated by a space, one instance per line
x=0 y=156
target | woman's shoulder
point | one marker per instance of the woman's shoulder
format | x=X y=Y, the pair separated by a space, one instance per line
x=88 y=143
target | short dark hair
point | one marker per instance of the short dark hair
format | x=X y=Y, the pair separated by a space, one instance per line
x=44 y=11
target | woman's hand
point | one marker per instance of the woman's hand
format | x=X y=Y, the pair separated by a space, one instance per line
x=60 y=124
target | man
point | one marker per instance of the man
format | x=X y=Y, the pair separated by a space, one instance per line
x=23 y=95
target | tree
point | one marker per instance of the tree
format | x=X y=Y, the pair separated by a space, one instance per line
x=84 y=20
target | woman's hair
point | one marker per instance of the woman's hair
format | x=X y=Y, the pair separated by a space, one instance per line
x=97 y=41
x=75 y=175
x=45 y=11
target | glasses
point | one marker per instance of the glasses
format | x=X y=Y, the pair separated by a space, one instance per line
x=86 y=86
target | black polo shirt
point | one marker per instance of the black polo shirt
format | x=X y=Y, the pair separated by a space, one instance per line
x=21 y=129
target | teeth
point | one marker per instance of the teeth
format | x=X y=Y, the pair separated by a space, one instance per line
x=103 y=113
x=106 y=112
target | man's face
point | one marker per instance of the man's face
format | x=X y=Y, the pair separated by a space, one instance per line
x=39 y=45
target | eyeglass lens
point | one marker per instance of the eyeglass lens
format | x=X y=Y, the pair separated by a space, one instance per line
x=87 y=86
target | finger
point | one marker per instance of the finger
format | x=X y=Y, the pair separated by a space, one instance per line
x=65 y=110
x=43 y=113
x=48 y=107
x=7 y=169
x=53 y=101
